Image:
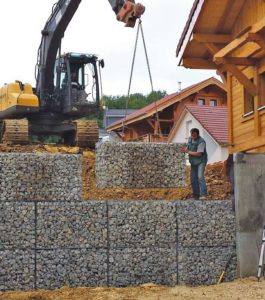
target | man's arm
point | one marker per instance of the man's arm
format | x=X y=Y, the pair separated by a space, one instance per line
x=200 y=150
x=197 y=154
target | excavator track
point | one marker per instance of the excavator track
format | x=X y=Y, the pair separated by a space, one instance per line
x=87 y=133
x=15 y=131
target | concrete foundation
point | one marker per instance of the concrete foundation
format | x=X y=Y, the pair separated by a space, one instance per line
x=250 y=210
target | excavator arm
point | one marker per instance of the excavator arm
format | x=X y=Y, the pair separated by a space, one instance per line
x=63 y=11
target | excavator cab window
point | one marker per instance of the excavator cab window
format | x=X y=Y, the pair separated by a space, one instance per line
x=84 y=77
x=63 y=80
x=76 y=82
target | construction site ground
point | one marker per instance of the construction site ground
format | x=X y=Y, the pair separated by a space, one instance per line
x=243 y=289
x=218 y=185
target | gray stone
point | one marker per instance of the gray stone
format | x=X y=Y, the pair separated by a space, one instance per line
x=57 y=268
x=38 y=177
x=134 y=266
x=140 y=165
x=204 y=265
x=72 y=225
x=120 y=243
x=17 y=226
x=145 y=223
x=205 y=223
x=16 y=270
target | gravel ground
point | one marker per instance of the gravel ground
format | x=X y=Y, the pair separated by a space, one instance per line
x=244 y=289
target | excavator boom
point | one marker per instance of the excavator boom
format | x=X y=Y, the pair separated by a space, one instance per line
x=53 y=32
x=64 y=91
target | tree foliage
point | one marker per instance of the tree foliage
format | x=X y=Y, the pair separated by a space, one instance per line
x=135 y=101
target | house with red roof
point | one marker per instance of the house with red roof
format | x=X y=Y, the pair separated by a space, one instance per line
x=202 y=105
x=213 y=126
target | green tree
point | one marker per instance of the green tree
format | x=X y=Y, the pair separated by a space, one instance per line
x=135 y=101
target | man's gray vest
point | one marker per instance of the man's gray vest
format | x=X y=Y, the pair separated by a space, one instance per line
x=193 y=146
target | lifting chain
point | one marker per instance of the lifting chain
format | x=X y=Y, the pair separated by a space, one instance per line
x=139 y=30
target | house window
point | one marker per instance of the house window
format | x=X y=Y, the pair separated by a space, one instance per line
x=262 y=90
x=201 y=102
x=213 y=102
x=248 y=103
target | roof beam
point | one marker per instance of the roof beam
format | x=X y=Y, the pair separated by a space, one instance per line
x=240 y=61
x=241 y=40
x=212 y=38
x=166 y=120
x=223 y=17
x=241 y=77
x=218 y=65
x=150 y=123
x=257 y=38
x=198 y=63
x=234 y=11
x=212 y=48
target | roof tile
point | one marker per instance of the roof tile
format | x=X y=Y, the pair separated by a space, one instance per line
x=213 y=119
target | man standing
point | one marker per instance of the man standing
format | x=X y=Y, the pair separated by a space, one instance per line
x=198 y=158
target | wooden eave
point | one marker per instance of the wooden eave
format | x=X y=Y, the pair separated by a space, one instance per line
x=215 y=47
x=211 y=22
x=188 y=30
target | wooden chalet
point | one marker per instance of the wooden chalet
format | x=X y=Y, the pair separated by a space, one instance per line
x=229 y=36
x=156 y=122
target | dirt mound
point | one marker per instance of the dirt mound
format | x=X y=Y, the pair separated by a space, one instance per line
x=38 y=148
x=243 y=289
x=218 y=186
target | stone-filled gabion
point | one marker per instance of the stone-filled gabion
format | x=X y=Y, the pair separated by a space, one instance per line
x=115 y=243
x=17 y=223
x=208 y=223
x=72 y=225
x=17 y=270
x=139 y=265
x=206 y=241
x=140 y=165
x=27 y=176
x=145 y=223
x=204 y=265
x=76 y=267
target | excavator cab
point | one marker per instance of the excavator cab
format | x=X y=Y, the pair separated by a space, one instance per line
x=77 y=84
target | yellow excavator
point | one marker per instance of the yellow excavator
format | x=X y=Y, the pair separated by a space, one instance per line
x=67 y=86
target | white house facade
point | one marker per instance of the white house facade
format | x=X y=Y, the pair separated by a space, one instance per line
x=217 y=151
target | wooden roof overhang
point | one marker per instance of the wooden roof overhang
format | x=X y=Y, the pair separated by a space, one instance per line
x=210 y=42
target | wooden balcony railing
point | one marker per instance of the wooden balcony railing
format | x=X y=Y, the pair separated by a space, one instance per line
x=152 y=138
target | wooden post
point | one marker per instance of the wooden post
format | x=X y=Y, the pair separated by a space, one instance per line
x=257 y=124
x=156 y=126
x=230 y=109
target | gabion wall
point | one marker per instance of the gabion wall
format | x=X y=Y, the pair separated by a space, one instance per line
x=114 y=243
x=25 y=176
x=140 y=165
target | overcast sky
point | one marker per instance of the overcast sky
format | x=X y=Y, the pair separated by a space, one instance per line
x=94 y=29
